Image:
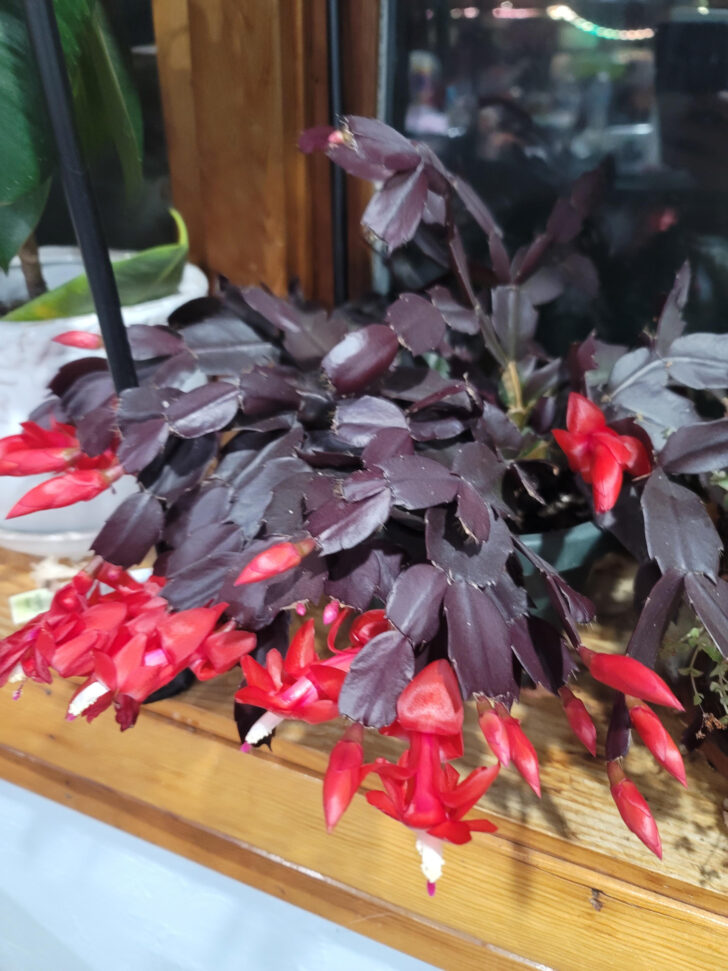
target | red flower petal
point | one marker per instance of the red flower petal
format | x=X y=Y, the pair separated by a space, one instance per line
x=583 y=416
x=301 y=652
x=470 y=790
x=452 y=831
x=577 y=449
x=327 y=680
x=639 y=461
x=481 y=826
x=380 y=800
x=256 y=676
x=431 y=703
x=606 y=478
x=614 y=443
x=182 y=633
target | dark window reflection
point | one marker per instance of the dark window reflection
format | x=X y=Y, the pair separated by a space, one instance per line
x=142 y=220
x=522 y=97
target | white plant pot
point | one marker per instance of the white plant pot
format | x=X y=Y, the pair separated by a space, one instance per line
x=28 y=362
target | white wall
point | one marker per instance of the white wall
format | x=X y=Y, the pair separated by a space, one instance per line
x=78 y=895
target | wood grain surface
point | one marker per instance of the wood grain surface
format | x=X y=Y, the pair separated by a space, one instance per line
x=562 y=884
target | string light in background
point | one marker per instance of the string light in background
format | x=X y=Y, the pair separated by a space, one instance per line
x=562 y=12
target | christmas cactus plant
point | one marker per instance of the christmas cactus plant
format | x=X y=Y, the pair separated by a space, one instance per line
x=337 y=503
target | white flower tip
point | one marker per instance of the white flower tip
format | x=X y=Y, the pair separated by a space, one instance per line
x=262 y=728
x=87 y=697
x=430 y=849
x=17 y=674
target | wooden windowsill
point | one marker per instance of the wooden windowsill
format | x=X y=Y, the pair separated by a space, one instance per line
x=562 y=883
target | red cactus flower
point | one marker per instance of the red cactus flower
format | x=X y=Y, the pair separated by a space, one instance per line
x=301 y=686
x=657 y=739
x=579 y=719
x=344 y=774
x=430 y=798
x=633 y=809
x=420 y=791
x=125 y=642
x=630 y=676
x=277 y=559
x=82 y=339
x=598 y=453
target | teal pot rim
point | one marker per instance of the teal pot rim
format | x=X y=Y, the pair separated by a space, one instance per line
x=573 y=548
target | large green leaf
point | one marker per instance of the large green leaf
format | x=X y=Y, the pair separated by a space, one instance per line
x=147 y=275
x=103 y=97
x=107 y=107
x=16 y=217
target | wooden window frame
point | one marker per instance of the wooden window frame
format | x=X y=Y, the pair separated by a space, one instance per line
x=240 y=79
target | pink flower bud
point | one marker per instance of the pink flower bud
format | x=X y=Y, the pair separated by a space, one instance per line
x=630 y=676
x=658 y=741
x=276 y=559
x=300 y=609
x=331 y=612
x=633 y=809
x=579 y=719
x=80 y=338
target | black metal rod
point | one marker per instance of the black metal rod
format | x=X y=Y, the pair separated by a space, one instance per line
x=46 y=43
x=338 y=185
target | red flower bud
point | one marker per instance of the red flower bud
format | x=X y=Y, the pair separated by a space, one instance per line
x=633 y=809
x=79 y=485
x=80 y=338
x=276 y=559
x=657 y=739
x=579 y=719
x=522 y=752
x=33 y=461
x=494 y=732
x=343 y=774
x=630 y=676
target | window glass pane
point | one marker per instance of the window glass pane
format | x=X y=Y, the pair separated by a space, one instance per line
x=522 y=97
x=142 y=219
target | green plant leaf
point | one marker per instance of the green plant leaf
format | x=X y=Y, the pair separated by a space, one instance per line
x=152 y=273
x=107 y=106
x=18 y=219
x=104 y=101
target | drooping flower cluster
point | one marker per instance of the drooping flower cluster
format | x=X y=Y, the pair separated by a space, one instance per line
x=56 y=449
x=120 y=635
x=598 y=453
